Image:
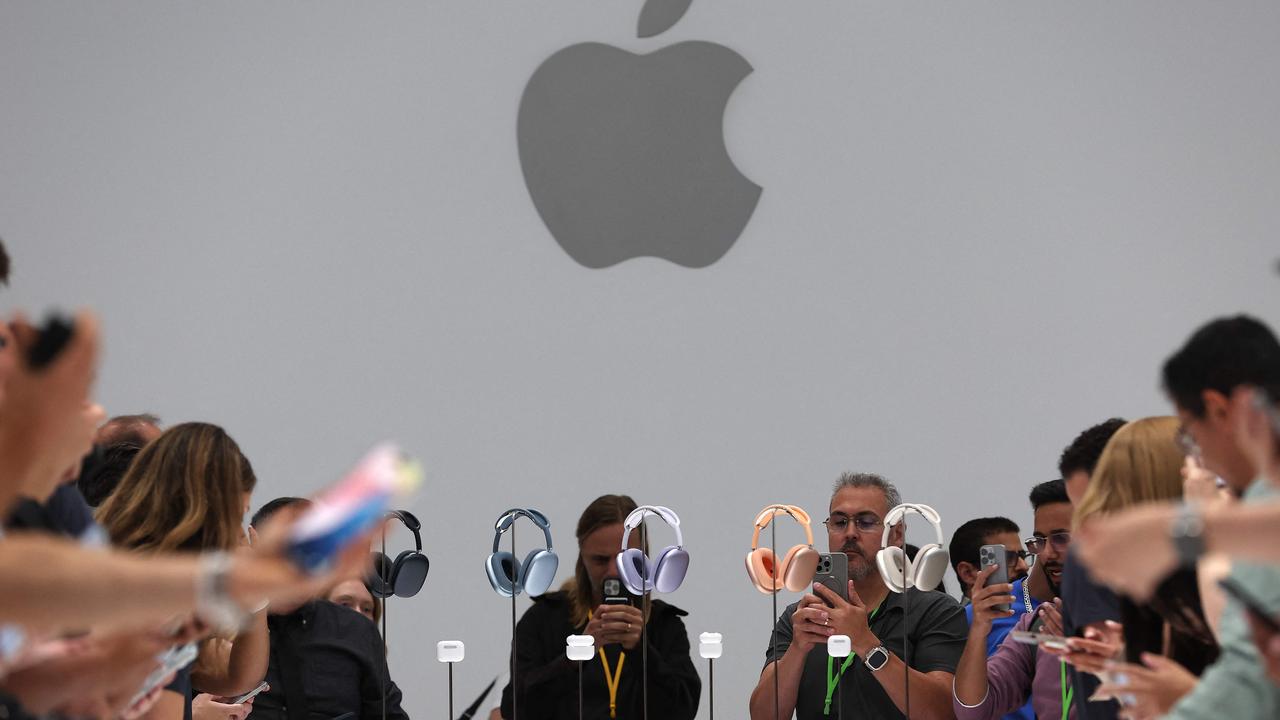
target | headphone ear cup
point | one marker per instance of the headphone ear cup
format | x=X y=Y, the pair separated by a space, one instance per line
x=633 y=568
x=670 y=568
x=408 y=573
x=761 y=566
x=892 y=564
x=504 y=573
x=930 y=566
x=539 y=571
x=380 y=575
x=799 y=567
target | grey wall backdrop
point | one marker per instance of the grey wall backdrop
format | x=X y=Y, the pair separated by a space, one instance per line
x=984 y=225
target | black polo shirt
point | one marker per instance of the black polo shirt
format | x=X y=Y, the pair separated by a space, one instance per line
x=936 y=633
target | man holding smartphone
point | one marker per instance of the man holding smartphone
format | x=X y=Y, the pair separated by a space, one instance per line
x=871 y=682
x=989 y=687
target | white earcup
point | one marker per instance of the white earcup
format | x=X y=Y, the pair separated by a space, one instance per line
x=893 y=564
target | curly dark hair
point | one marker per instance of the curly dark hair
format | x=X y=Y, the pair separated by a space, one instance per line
x=1084 y=451
x=1053 y=491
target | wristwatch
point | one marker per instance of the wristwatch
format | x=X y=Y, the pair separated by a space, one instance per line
x=1187 y=534
x=876 y=659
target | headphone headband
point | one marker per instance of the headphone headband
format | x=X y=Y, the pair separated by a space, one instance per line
x=410 y=521
x=508 y=518
x=766 y=516
x=899 y=514
x=638 y=515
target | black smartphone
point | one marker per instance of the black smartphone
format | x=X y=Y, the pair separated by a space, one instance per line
x=833 y=571
x=53 y=338
x=1251 y=603
x=997 y=555
x=614 y=593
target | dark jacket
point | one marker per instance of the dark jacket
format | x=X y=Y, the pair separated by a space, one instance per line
x=549 y=681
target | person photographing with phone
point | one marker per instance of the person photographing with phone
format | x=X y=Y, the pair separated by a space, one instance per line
x=871 y=682
x=594 y=602
x=989 y=687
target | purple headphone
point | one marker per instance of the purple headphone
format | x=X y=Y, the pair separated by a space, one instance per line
x=665 y=574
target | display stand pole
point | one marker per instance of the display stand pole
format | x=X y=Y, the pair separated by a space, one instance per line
x=579 y=690
x=381 y=684
x=515 y=686
x=906 y=621
x=644 y=628
x=711 y=679
x=773 y=619
x=839 y=648
x=450 y=691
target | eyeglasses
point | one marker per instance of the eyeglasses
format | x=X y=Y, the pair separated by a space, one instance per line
x=838 y=523
x=1186 y=442
x=1036 y=545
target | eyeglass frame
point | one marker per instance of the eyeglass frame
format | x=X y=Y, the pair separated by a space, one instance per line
x=871 y=526
x=1046 y=540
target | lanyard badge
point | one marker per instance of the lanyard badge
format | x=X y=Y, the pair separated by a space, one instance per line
x=833 y=678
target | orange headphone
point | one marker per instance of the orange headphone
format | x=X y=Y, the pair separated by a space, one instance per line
x=796 y=570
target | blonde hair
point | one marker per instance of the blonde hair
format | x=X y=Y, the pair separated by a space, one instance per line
x=184 y=491
x=1140 y=464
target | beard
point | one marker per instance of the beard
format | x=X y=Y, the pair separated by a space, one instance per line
x=860 y=567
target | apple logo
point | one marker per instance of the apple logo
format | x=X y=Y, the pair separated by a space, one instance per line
x=624 y=154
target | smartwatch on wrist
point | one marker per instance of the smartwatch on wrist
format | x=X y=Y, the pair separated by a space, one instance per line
x=1187 y=534
x=876 y=659
x=214 y=603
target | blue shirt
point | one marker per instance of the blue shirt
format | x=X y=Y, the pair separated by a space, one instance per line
x=1000 y=628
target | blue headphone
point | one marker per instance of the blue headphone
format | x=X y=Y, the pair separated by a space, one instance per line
x=509 y=576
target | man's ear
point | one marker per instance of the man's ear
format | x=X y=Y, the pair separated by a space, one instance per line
x=897 y=533
x=253 y=536
x=967 y=572
x=1217 y=407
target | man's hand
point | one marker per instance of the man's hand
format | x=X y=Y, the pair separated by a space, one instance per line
x=1149 y=690
x=1099 y=647
x=810 y=625
x=1051 y=617
x=849 y=618
x=1110 y=547
x=616 y=625
x=985 y=598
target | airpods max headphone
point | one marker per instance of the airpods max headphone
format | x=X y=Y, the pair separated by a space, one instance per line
x=507 y=575
x=665 y=574
x=796 y=570
x=403 y=577
x=930 y=563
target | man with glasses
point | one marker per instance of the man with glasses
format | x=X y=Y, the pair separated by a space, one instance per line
x=990 y=687
x=871 y=682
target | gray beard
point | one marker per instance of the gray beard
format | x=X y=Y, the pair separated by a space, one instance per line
x=859 y=570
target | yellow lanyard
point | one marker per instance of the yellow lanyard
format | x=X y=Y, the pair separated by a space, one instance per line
x=612 y=679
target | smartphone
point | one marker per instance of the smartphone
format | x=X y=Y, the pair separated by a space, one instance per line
x=833 y=571
x=352 y=507
x=996 y=555
x=170 y=661
x=1255 y=608
x=1053 y=642
x=251 y=694
x=53 y=337
x=614 y=593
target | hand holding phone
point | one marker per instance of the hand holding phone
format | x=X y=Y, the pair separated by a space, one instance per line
x=1044 y=640
x=615 y=594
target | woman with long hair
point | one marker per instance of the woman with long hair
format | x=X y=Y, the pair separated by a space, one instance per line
x=612 y=685
x=188 y=490
x=1169 y=635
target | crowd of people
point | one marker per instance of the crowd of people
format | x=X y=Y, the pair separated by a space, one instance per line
x=1149 y=585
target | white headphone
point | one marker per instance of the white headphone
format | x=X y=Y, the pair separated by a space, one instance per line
x=930 y=563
